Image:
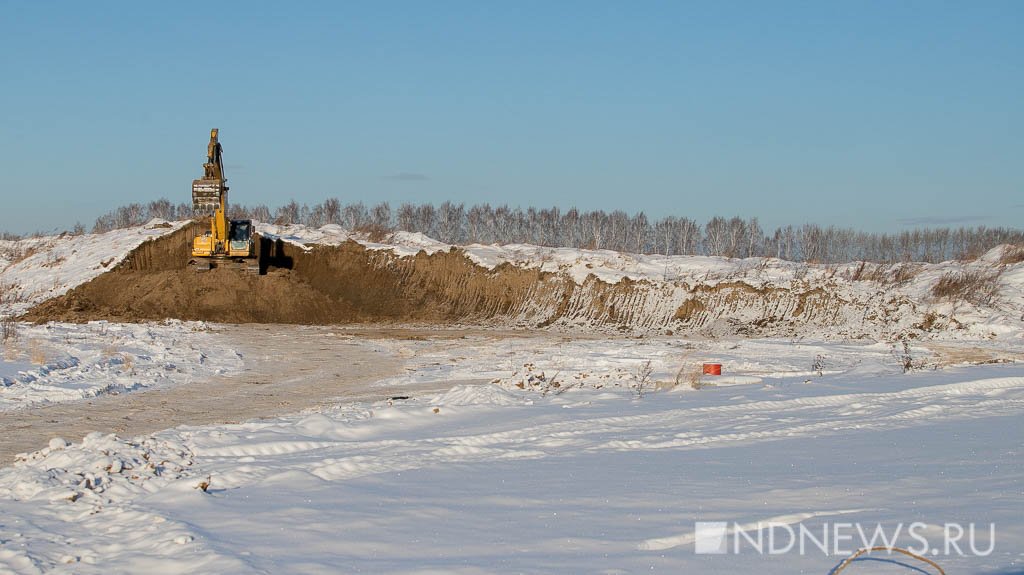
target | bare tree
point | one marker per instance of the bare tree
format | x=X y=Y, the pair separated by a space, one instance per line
x=407 y=217
x=288 y=214
x=426 y=220
x=354 y=216
x=162 y=209
x=315 y=217
x=716 y=233
x=332 y=211
x=449 y=222
x=380 y=217
x=639 y=233
x=261 y=213
x=733 y=237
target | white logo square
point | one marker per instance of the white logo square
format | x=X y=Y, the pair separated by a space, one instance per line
x=710 y=537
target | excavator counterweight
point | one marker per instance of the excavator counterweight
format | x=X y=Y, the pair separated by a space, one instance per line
x=227 y=243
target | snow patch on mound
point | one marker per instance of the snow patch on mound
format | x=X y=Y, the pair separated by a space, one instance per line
x=33 y=270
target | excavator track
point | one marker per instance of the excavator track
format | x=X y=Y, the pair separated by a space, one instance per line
x=248 y=266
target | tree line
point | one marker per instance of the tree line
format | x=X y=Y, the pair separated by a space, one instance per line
x=456 y=223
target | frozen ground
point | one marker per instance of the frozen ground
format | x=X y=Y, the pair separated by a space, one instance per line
x=55 y=363
x=219 y=374
x=582 y=477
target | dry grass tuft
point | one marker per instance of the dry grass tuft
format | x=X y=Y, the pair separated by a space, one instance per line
x=1012 y=255
x=374 y=233
x=977 y=287
x=10 y=293
x=904 y=273
x=36 y=353
x=690 y=374
x=886 y=274
x=111 y=354
x=18 y=253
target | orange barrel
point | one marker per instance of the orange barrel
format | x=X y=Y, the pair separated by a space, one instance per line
x=712 y=369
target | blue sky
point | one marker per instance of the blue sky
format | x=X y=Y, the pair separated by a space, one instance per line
x=874 y=115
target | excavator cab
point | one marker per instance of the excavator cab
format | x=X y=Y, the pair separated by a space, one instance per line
x=240 y=240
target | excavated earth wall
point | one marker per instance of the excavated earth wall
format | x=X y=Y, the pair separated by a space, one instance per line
x=352 y=284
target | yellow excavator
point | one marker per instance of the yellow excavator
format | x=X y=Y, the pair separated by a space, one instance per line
x=229 y=243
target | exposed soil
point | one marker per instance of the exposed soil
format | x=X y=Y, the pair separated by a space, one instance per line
x=351 y=284
x=959 y=355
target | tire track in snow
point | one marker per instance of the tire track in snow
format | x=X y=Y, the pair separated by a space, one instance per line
x=704 y=427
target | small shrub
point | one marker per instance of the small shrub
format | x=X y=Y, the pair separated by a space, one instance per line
x=905 y=358
x=818 y=365
x=977 y=287
x=8 y=329
x=642 y=378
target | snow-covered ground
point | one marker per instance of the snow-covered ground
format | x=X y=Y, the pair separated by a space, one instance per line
x=65 y=362
x=536 y=362
x=581 y=478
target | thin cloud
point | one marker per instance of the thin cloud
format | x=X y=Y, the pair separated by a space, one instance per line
x=408 y=177
x=941 y=221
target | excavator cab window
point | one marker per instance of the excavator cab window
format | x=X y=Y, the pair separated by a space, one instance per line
x=241 y=231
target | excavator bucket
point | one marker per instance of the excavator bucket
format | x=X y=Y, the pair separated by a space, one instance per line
x=206 y=196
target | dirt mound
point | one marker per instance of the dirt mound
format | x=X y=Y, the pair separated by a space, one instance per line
x=352 y=284
x=342 y=284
